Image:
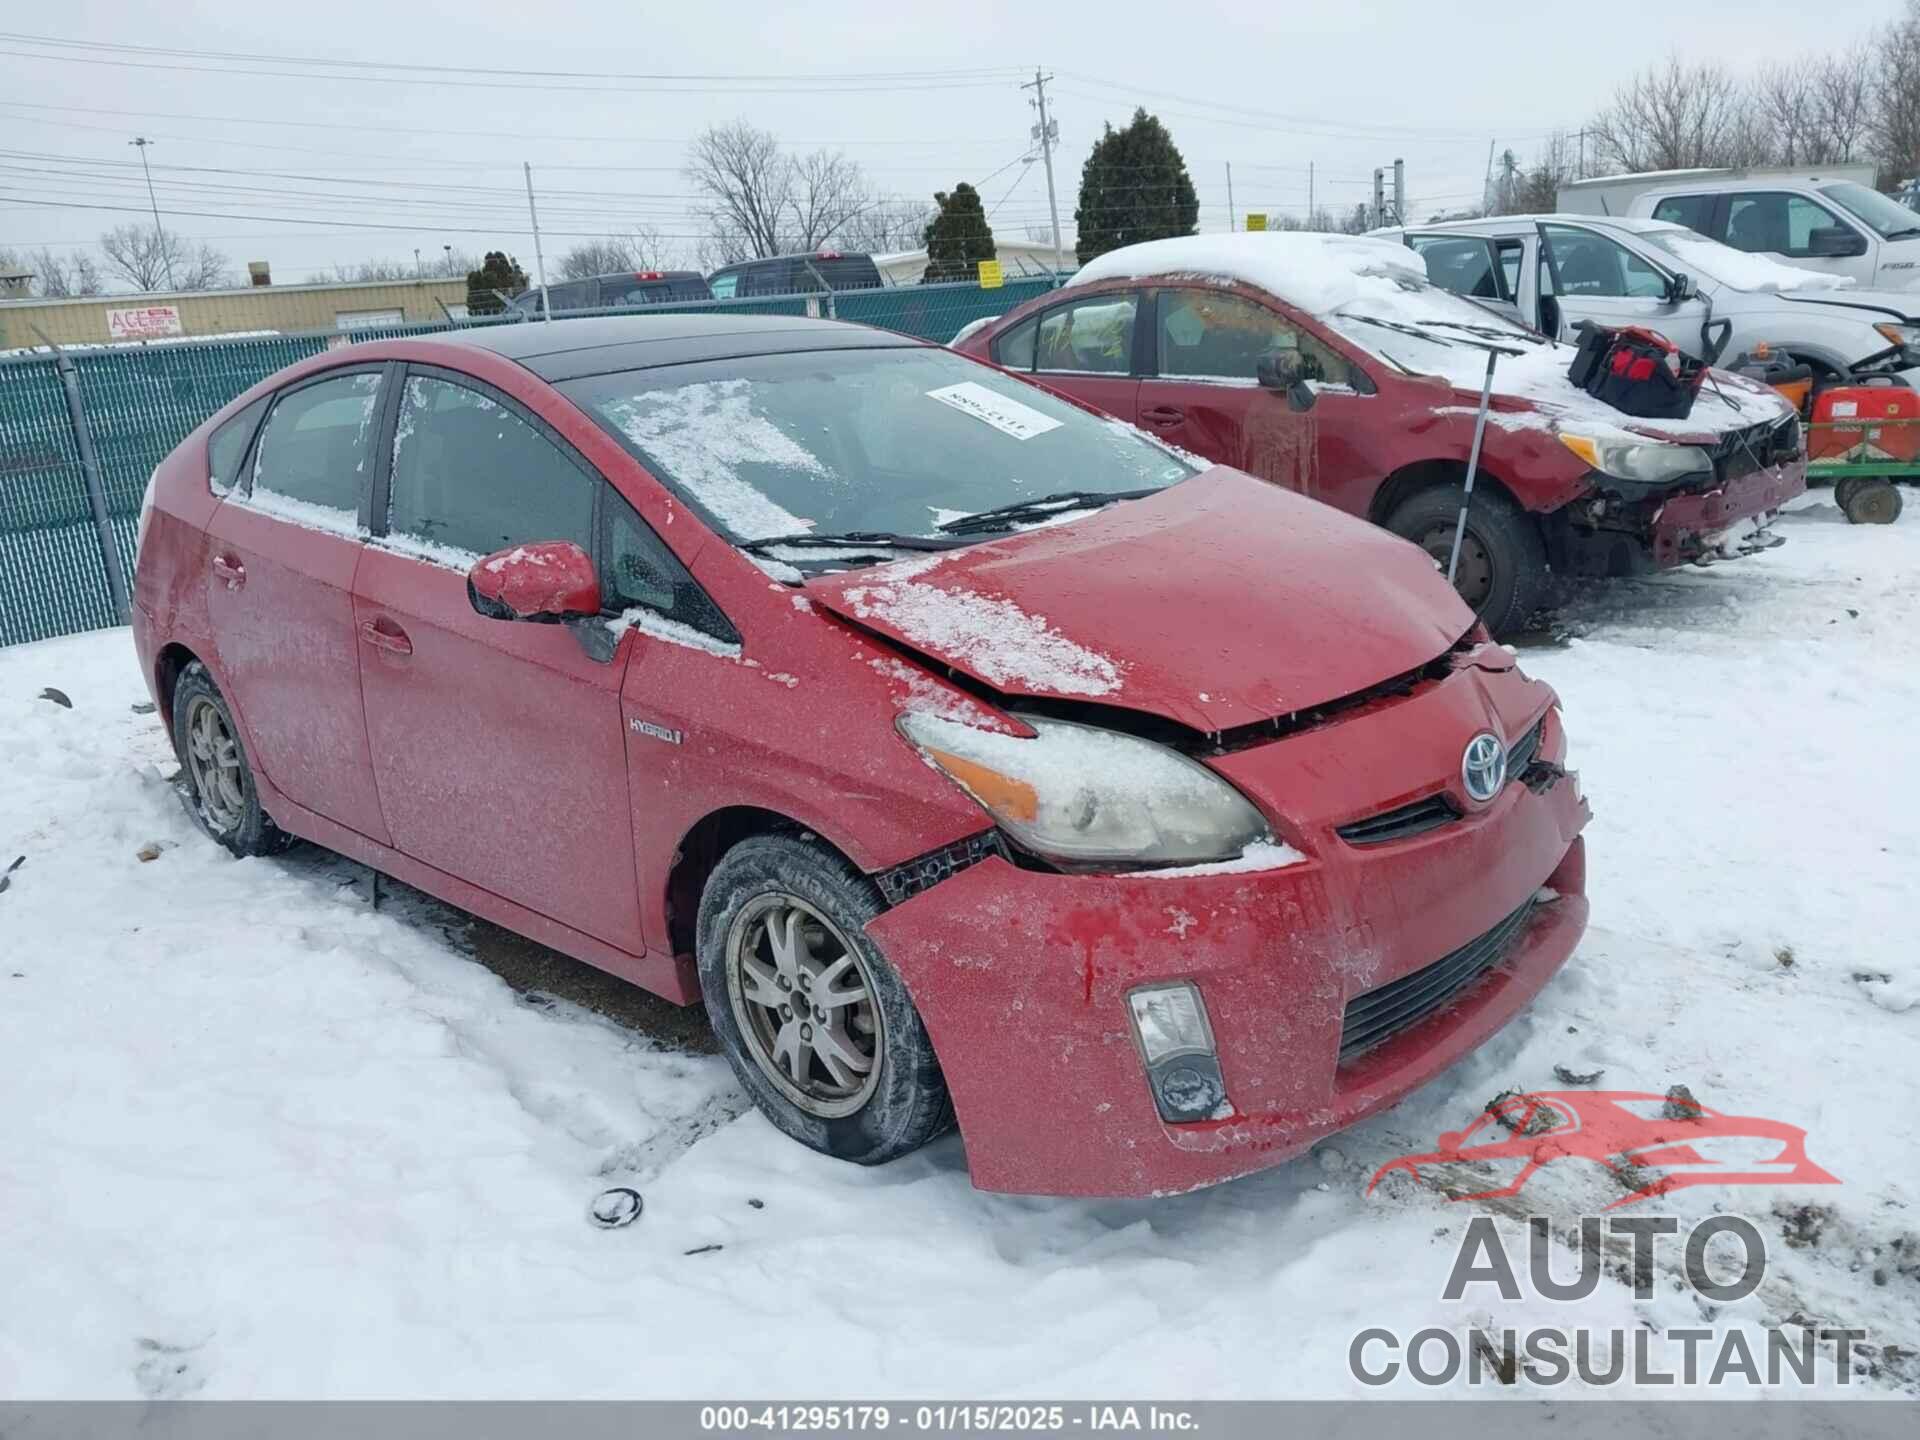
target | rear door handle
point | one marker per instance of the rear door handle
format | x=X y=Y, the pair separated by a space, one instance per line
x=230 y=570
x=1163 y=415
x=385 y=635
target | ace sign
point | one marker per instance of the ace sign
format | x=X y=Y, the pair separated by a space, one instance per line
x=147 y=322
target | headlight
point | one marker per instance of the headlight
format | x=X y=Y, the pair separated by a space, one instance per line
x=1652 y=463
x=1078 y=794
x=1907 y=337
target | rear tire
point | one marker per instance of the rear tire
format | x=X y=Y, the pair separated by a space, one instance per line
x=1503 y=557
x=216 y=779
x=819 y=1029
x=1873 y=502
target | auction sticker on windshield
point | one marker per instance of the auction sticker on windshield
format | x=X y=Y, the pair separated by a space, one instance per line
x=1010 y=417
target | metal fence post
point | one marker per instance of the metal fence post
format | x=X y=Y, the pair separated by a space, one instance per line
x=96 y=490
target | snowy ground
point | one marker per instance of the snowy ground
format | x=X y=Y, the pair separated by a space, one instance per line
x=261 y=1140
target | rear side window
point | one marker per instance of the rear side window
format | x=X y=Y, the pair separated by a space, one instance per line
x=1693 y=211
x=471 y=476
x=643 y=571
x=1094 y=336
x=1015 y=348
x=227 y=446
x=1464 y=266
x=723 y=286
x=316 y=446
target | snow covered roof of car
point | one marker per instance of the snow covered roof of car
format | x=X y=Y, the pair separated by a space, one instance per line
x=1310 y=269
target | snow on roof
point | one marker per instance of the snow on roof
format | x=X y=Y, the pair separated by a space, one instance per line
x=1310 y=269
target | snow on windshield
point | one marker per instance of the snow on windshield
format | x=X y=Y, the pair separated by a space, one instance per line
x=992 y=637
x=705 y=434
x=1736 y=268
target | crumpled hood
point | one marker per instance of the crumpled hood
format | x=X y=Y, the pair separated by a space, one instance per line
x=1223 y=602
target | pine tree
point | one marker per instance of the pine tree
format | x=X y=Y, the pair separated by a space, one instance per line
x=1134 y=187
x=498 y=271
x=958 y=238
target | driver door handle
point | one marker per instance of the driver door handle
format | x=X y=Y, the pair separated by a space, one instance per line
x=1163 y=415
x=385 y=635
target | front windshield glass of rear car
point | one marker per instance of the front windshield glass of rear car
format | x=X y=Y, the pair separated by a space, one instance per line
x=897 y=440
x=1419 y=327
x=1887 y=217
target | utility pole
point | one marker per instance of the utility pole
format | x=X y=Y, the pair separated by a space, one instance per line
x=1379 y=197
x=539 y=260
x=1233 y=219
x=418 y=273
x=1312 y=224
x=1047 y=132
x=140 y=142
x=1399 y=192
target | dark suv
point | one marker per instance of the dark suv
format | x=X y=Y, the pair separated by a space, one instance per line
x=803 y=274
x=628 y=287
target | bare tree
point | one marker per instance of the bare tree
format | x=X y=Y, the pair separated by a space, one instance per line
x=1896 y=127
x=62 y=276
x=757 y=200
x=1672 y=116
x=641 y=248
x=1843 y=92
x=895 y=223
x=155 y=259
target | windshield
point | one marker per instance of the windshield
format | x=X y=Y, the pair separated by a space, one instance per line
x=1887 y=217
x=827 y=442
x=1416 y=325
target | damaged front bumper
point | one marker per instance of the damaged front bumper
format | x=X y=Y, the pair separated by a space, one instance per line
x=1626 y=529
x=1331 y=987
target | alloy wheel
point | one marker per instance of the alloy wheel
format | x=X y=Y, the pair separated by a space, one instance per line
x=213 y=755
x=805 y=1005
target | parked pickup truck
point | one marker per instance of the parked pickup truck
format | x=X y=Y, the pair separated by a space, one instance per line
x=1831 y=220
x=1553 y=271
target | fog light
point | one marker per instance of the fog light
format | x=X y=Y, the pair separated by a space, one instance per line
x=1183 y=1070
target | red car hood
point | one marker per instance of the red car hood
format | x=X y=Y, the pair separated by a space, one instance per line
x=1223 y=602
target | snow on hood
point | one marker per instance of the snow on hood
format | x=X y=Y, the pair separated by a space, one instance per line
x=1221 y=601
x=1372 y=292
x=1738 y=269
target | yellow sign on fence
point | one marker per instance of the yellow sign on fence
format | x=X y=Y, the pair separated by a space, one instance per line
x=1256 y=220
x=992 y=277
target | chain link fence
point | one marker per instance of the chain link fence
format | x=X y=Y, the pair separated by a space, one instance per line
x=138 y=402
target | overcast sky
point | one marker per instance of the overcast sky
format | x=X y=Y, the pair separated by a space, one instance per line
x=1269 y=88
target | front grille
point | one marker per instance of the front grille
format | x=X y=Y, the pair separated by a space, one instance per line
x=1401 y=822
x=1520 y=754
x=1419 y=816
x=1381 y=1014
x=1741 y=452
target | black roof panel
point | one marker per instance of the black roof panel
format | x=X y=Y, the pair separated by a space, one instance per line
x=567 y=349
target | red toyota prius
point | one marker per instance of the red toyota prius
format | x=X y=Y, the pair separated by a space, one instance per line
x=969 y=755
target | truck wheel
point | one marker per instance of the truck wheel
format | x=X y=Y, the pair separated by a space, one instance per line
x=1873 y=502
x=216 y=779
x=1503 y=559
x=817 y=1026
x=1844 y=488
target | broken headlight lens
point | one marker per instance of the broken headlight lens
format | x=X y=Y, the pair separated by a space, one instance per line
x=1651 y=463
x=1083 y=795
x=1907 y=336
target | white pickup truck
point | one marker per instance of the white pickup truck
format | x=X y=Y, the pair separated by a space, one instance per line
x=1830 y=219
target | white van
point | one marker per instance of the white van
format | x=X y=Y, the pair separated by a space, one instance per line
x=1831 y=219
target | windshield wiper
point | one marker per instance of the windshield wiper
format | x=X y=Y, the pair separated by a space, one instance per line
x=1903 y=234
x=848 y=540
x=1003 y=517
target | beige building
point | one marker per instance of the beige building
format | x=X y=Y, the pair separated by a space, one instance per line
x=286 y=309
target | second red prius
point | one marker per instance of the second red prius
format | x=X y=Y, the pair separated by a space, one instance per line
x=969 y=755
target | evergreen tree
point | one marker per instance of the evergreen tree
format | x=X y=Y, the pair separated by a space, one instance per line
x=1134 y=187
x=958 y=238
x=498 y=271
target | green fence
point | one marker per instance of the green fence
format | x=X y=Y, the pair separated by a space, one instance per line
x=142 y=401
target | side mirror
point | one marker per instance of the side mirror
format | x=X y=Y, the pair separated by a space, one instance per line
x=549 y=582
x=1836 y=242
x=1300 y=396
x=1278 y=369
x=1681 y=287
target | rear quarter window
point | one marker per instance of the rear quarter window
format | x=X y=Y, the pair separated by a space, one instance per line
x=227 y=446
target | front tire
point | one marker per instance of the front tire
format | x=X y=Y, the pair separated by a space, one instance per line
x=1503 y=558
x=819 y=1029
x=215 y=776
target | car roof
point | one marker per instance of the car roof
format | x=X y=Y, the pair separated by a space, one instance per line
x=567 y=349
